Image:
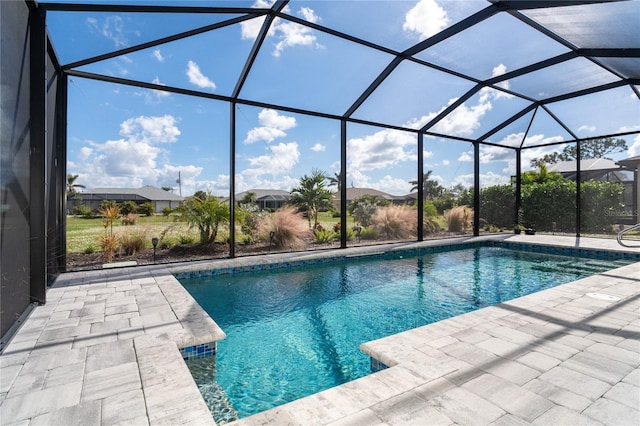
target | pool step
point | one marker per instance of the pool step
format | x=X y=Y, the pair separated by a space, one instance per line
x=578 y=267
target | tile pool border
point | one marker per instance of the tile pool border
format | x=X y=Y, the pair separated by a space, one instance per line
x=528 y=247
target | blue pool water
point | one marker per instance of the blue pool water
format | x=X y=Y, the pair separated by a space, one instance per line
x=294 y=332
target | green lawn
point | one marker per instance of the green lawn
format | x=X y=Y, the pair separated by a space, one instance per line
x=84 y=234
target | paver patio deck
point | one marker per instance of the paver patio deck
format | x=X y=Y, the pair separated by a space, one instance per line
x=104 y=351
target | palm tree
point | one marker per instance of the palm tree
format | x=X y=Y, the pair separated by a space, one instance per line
x=431 y=188
x=335 y=181
x=541 y=176
x=312 y=194
x=249 y=198
x=71 y=185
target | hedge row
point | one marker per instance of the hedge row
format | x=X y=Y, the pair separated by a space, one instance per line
x=553 y=201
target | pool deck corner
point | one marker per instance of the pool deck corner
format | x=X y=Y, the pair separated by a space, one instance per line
x=103 y=350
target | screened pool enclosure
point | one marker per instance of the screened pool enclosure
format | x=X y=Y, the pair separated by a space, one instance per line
x=424 y=119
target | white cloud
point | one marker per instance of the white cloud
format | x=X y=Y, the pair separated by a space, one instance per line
x=490 y=154
x=158 y=55
x=273 y=126
x=487 y=92
x=486 y=179
x=151 y=129
x=465 y=157
x=382 y=149
x=271 y=118
x=308 y=15
x=586 y=128
x=168 y=175
x=112 y=28
x=85 y=152
x=250 y=29
x=196 y=77
x=154 y=96
x=281 y=158
x=245 y=183
x=268 y=134
x=634 y=149
x=137 y=158
x=462 y=121
x=445 y=162
x=425 y=19
x=393 y=185
x=291 y=34
x=287 y=34
x=318 y=147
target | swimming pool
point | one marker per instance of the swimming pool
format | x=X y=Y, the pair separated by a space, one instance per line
x=297 y=331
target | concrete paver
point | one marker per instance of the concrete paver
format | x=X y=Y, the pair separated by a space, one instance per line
x=104 y=351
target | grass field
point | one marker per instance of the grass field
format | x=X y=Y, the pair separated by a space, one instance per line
x=83 y=235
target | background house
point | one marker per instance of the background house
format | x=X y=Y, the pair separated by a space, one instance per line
x=602 y=169
x=156 y=196
x=355 y=193
x=266 y=198
x=632 y=167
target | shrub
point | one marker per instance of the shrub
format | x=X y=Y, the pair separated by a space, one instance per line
x=548 y=202
x=90 y=249
x=459 y=218
x=288 y=227
x=362 y=210
x=351 y=233
x=167 y=211
x=368 y=234
x=167 y=242
x=497 y=205
x=127 y=207
x=208 y=215
x=321 y=236
x=146 y=209
x=109 y=244
x=430 y=210
x=133 y=243
x=186 y=239
x=129 y=219
x=430 y=226
x=83 y=211
x=601 y=204
x=110 y=240
x=396 y=222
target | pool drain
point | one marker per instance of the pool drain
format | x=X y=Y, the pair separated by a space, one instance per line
x=602 y=296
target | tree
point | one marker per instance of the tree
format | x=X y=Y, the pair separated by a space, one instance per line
x=127 y=207
x=541 y=176
x=206 y=214
x=589 y=149
x=201 y=195
x=72 y=185
x=336 y=180
x=432 y=189
x=311 y=194
x=249 y=198
x=167 y=188
x=363 y=211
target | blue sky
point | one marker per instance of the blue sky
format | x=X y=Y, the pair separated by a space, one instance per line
x=122 y=136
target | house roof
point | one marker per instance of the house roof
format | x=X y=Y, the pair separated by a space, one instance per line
x=151 y=193
x=353 y=193
x=262 y=194
x=585 y=165
x=630 y=162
